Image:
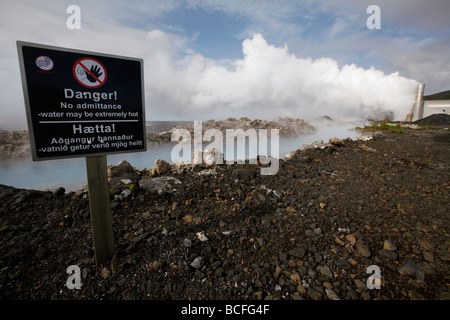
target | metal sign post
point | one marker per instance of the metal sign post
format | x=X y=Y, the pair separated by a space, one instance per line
x=84 y=104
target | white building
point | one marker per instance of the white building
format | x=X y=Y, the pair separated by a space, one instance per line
x=435 y=106
x=428 y=105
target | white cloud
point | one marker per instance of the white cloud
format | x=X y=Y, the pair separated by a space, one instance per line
x=45 y=22
x=268 y=81
x=427 y=61
x=413 y=39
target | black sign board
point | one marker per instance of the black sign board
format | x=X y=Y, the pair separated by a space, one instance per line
x=82 y=103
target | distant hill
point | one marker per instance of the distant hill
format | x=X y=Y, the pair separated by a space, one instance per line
x=444 y=95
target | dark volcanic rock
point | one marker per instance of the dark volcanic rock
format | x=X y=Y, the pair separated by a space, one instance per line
x=14 y=144
x=228 y=232
x=438 y=119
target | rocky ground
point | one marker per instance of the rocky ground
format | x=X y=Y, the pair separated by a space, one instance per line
x=226 y=232
x=14 y=144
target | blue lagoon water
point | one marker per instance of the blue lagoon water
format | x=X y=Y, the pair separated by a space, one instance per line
x=71 y=173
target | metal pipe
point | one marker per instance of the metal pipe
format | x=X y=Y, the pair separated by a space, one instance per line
x=418 y=106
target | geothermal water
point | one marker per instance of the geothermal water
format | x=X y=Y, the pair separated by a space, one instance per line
x=71 y=173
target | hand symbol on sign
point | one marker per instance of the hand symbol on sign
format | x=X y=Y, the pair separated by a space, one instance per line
x=95 y=70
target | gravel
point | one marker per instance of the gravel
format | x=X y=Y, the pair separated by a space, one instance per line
x=309 y=232
x=438 y=119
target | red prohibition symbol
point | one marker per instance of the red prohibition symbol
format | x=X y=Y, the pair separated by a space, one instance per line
x=89 y=72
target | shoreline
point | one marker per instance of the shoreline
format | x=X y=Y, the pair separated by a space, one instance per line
x=226 y=232
x=15 y=144
x=47 y=169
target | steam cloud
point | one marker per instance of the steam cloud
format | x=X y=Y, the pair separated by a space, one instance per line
x=269 y=82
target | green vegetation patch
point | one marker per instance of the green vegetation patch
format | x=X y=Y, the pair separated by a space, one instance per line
x=383 y=125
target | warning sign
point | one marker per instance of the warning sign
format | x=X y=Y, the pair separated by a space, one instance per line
x=89 y=104
x=89 y=72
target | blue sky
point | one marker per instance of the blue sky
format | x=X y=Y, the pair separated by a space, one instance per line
x=214 y=32
x=212 y=59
